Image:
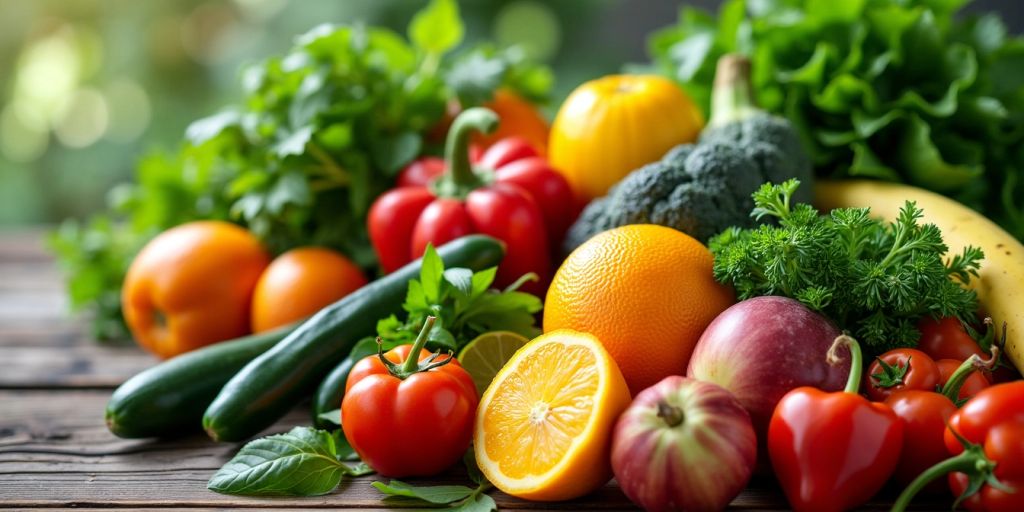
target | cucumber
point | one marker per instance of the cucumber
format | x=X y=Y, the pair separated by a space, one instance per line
x=328 y=396
x=266 y=388
x=168 y=399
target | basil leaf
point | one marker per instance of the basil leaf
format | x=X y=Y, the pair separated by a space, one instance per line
x=437 y=494
x=431 y=271
x=479 y=502
x=360 y=469
x=331 y=416
x=302 y=462
x=461 y=279
x=438 y=28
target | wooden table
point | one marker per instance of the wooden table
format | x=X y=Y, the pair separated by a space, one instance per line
x=56 y=452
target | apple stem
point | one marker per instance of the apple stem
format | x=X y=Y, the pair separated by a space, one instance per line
x=672 y=415
x=856 y=366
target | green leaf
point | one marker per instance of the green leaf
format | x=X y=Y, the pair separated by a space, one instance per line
x=437 y=28
x=461 y=279
x=331 y=417
x=207 y=128
x=482 y=280
x=925 y=163
x=431 y=273
x=477 y=503
x=302 y=462
x=294 y=143
x=391 y=154
x=437 y=494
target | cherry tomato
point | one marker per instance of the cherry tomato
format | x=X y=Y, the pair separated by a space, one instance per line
x=924 y=415
x=899 y=370
x=946 y=338
x=975 y=383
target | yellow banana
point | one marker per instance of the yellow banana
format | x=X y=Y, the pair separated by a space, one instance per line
x=1000 y=282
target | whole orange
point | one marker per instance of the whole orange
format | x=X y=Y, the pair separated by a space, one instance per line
x=191 y=286
x=299 y=283
x=646 y=291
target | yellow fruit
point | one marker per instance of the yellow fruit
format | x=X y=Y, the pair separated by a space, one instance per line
x=543 y=427
x=484 y=357
x=613 y=125
x=1000 y=282
x=646 y=291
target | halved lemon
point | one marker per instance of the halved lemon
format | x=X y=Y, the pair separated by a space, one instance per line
x=544 y=425
x=485 y=356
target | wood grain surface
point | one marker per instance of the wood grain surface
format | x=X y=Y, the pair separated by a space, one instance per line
x=55 y=451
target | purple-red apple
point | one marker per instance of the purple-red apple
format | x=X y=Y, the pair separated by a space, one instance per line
x=761 y=348
x=683 y=444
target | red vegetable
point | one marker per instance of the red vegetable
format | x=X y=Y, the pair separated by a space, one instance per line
x=925 y=414
x=946 y=338
x=986 y=437
x=512 y=194
x=833 y=451
x=899 y=370
x=975 y=382
x=406 y=416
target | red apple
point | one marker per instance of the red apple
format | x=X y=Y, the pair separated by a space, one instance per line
x=761 y=348
x=683 y=445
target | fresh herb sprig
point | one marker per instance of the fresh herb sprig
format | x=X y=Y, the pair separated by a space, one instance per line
x=464 y=304
x=873 y=278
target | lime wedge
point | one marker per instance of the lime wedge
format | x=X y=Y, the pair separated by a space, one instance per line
x=487 y=353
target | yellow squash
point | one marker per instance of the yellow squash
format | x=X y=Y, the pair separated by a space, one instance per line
x=1000 y=283
x=610 y=126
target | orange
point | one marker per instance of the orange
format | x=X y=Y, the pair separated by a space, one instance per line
x=191 y=286
x=299 y=283
x=646 y=291
x=544 y=425
x=609 y=127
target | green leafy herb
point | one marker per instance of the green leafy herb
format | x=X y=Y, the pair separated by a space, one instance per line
x=464 y=304
x=303 y=462
x=892 y=89
x=318 y=133
x=457 y=497
x=874 y=279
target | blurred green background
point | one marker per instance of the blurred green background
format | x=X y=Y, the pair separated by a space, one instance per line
x=87 y=86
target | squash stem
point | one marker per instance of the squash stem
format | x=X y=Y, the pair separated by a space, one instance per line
x=732 y=97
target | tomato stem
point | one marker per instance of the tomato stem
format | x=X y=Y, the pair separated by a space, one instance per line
x=972 y=461
x=459 y=179
x=856 y=360
x=412 y=361
x=952 y=388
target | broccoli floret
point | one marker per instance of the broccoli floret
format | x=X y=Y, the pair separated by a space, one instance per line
x=704 y=188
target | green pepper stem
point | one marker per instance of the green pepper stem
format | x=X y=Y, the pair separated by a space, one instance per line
x=951 y=389
x=412 y=361
x=732 y=97
x=972 y=460
x=856 y=360
x=459 y=179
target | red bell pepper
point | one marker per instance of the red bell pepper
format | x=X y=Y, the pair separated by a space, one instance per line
x=925 y=414
x=833 y=451
x=511 y=194
x=407 y=415
x=986 y=439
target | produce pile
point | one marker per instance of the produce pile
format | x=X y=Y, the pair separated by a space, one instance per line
x=709 y=308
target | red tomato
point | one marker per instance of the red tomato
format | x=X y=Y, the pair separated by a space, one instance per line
x=900 y=370
x=946 y=338
x=924 y=415
x=408 y=425
x=974 y=384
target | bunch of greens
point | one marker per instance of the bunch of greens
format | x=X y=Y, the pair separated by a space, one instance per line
x=874 y=279
x=463 y=303
x=319 y=133
x=891 y=89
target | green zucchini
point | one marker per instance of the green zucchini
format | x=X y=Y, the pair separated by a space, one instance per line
x=330 y=392
x=266 y=388
x=168 y=399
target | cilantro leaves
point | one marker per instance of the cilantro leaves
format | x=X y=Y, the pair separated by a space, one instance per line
x=872 y=278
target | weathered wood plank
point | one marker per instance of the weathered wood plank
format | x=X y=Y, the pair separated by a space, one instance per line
x=82 y=366
x=24 y=244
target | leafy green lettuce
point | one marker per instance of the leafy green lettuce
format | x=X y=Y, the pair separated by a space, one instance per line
x=317 y=135
x=891 y=89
